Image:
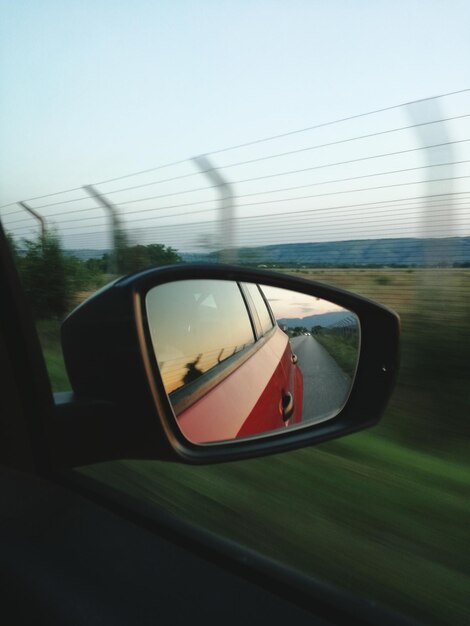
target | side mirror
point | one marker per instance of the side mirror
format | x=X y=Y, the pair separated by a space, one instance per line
x=207 y=363
x=239 y=359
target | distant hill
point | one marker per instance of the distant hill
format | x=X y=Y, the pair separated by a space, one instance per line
x=357 y=252
x=195 y=257
x=322 y=319
x=86 y=253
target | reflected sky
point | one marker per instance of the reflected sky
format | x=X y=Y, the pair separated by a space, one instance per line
x=285 y=303
x=194 y=326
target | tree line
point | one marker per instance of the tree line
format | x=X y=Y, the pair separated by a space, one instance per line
x=51 y=278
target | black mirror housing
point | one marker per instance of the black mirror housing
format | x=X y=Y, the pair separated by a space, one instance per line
x=109 y=358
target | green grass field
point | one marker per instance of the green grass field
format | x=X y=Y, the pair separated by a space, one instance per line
x=384 y=513
x=363 y=512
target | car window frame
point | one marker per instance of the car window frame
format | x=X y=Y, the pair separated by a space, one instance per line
x=254 y=310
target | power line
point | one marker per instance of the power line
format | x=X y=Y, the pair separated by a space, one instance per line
x=236 y=182
x=292 y=217
x=324 y=182
x=417 y=204
x=147 y=171
x=327 y=165
x=289 y=225
x=290 y=152
x=301 y=211
x=338 y=121
x=310 y=196
x=417 y=182
x=300 y=171
x=48 y=195
x=287 y=153
x=257 y=141
x=376 y=227
x=264 y=202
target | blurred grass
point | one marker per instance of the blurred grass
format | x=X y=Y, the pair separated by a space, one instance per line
x=384 y=513
x=49 y=336
x=376 y=518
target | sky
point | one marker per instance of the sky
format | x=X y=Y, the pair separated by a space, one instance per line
x=95 y=90
x=291 y=304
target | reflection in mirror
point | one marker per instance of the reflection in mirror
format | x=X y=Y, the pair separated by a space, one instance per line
x=240 y=359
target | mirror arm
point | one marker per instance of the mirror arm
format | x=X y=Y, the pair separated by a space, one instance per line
x=84 y=431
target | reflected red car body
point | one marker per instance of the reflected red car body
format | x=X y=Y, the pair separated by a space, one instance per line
x=250 y=400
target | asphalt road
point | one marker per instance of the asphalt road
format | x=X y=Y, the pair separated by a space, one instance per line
x=326 y=386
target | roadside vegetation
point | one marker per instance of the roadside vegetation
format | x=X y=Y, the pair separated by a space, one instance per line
x=384 y=513
x=344 y=349
x=55 y=283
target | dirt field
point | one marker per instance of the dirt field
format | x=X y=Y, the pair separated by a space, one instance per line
x=402 y=289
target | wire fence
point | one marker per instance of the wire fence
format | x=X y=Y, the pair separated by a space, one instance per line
x=376 y=203
x=397 y=173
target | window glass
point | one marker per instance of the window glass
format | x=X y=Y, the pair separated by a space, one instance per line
x=196 y=325
x=324 y=169
x=264 y=317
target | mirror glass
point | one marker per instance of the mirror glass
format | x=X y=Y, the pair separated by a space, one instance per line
x=242 y=359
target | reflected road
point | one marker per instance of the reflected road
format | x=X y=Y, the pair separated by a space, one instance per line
x=325 y=384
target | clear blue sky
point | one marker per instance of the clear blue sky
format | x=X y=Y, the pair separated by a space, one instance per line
x=95 y=89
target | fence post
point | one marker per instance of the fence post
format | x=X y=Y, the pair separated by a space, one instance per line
x=36 y=215
x=116 y=231
x=438 y=235
x=226 y=209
